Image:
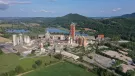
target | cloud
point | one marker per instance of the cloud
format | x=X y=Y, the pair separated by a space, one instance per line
x=102 y=11
x=52 y=0
x=116 y=9
x=45 y=11
x=4 y=4
x=34 y=10
x=22 y=10
x=17 y=2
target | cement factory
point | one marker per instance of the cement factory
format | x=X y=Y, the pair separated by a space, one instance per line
x=46 y=43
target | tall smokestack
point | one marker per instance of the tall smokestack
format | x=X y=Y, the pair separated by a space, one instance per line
x=72 y=31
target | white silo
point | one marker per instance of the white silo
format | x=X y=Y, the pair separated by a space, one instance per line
x=25 y=39
x=14 y=40
x=20 y=39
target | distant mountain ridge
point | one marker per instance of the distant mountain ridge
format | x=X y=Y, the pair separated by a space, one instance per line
x=75 y=17
x=128 y=15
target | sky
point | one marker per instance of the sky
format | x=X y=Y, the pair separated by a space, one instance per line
x=57 y=8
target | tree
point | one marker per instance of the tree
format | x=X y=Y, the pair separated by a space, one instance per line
x=4 y=74
x=130 y=73
x=65 y=49
x=19 y=69
x=38 y=62
x=45 y=64
x=33 y=51
x=115 y=38
x=120 y=68
x=34 y=66
x=91 y=57
x=48 y=44
x=11 y=73
x=50 y=55
x=58 y=56
x=18 y=53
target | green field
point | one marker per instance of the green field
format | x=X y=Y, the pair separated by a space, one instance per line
x=27 y=63
x=6 y=25
x=61 y=69
x=10 y=61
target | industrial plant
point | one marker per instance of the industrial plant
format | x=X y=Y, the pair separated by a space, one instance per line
x=46 y=43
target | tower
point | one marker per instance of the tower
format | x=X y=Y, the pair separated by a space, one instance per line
x=14 y=40
x=20 y=39
x=72 y=30
x=26 y=39
x=47 y=35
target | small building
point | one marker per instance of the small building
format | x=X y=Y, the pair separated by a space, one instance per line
x=58 y=37
x=100 y=37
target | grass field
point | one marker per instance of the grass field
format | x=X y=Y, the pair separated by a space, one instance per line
x=27 y=63
x=6 y=25
x=61 y=69
x=10 y=61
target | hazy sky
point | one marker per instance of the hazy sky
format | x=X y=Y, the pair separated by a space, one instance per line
x=53 y=8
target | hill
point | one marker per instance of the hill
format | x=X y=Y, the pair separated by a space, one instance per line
x=111 y=27
x=74 y=17
x=128 y=15
x=66 y=20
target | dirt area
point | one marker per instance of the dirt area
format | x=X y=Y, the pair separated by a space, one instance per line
x=2 y=40
x=117 y=55
x=125 y=53
x=127 y=67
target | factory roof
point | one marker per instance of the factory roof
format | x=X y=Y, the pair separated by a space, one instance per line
x=101 y=35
